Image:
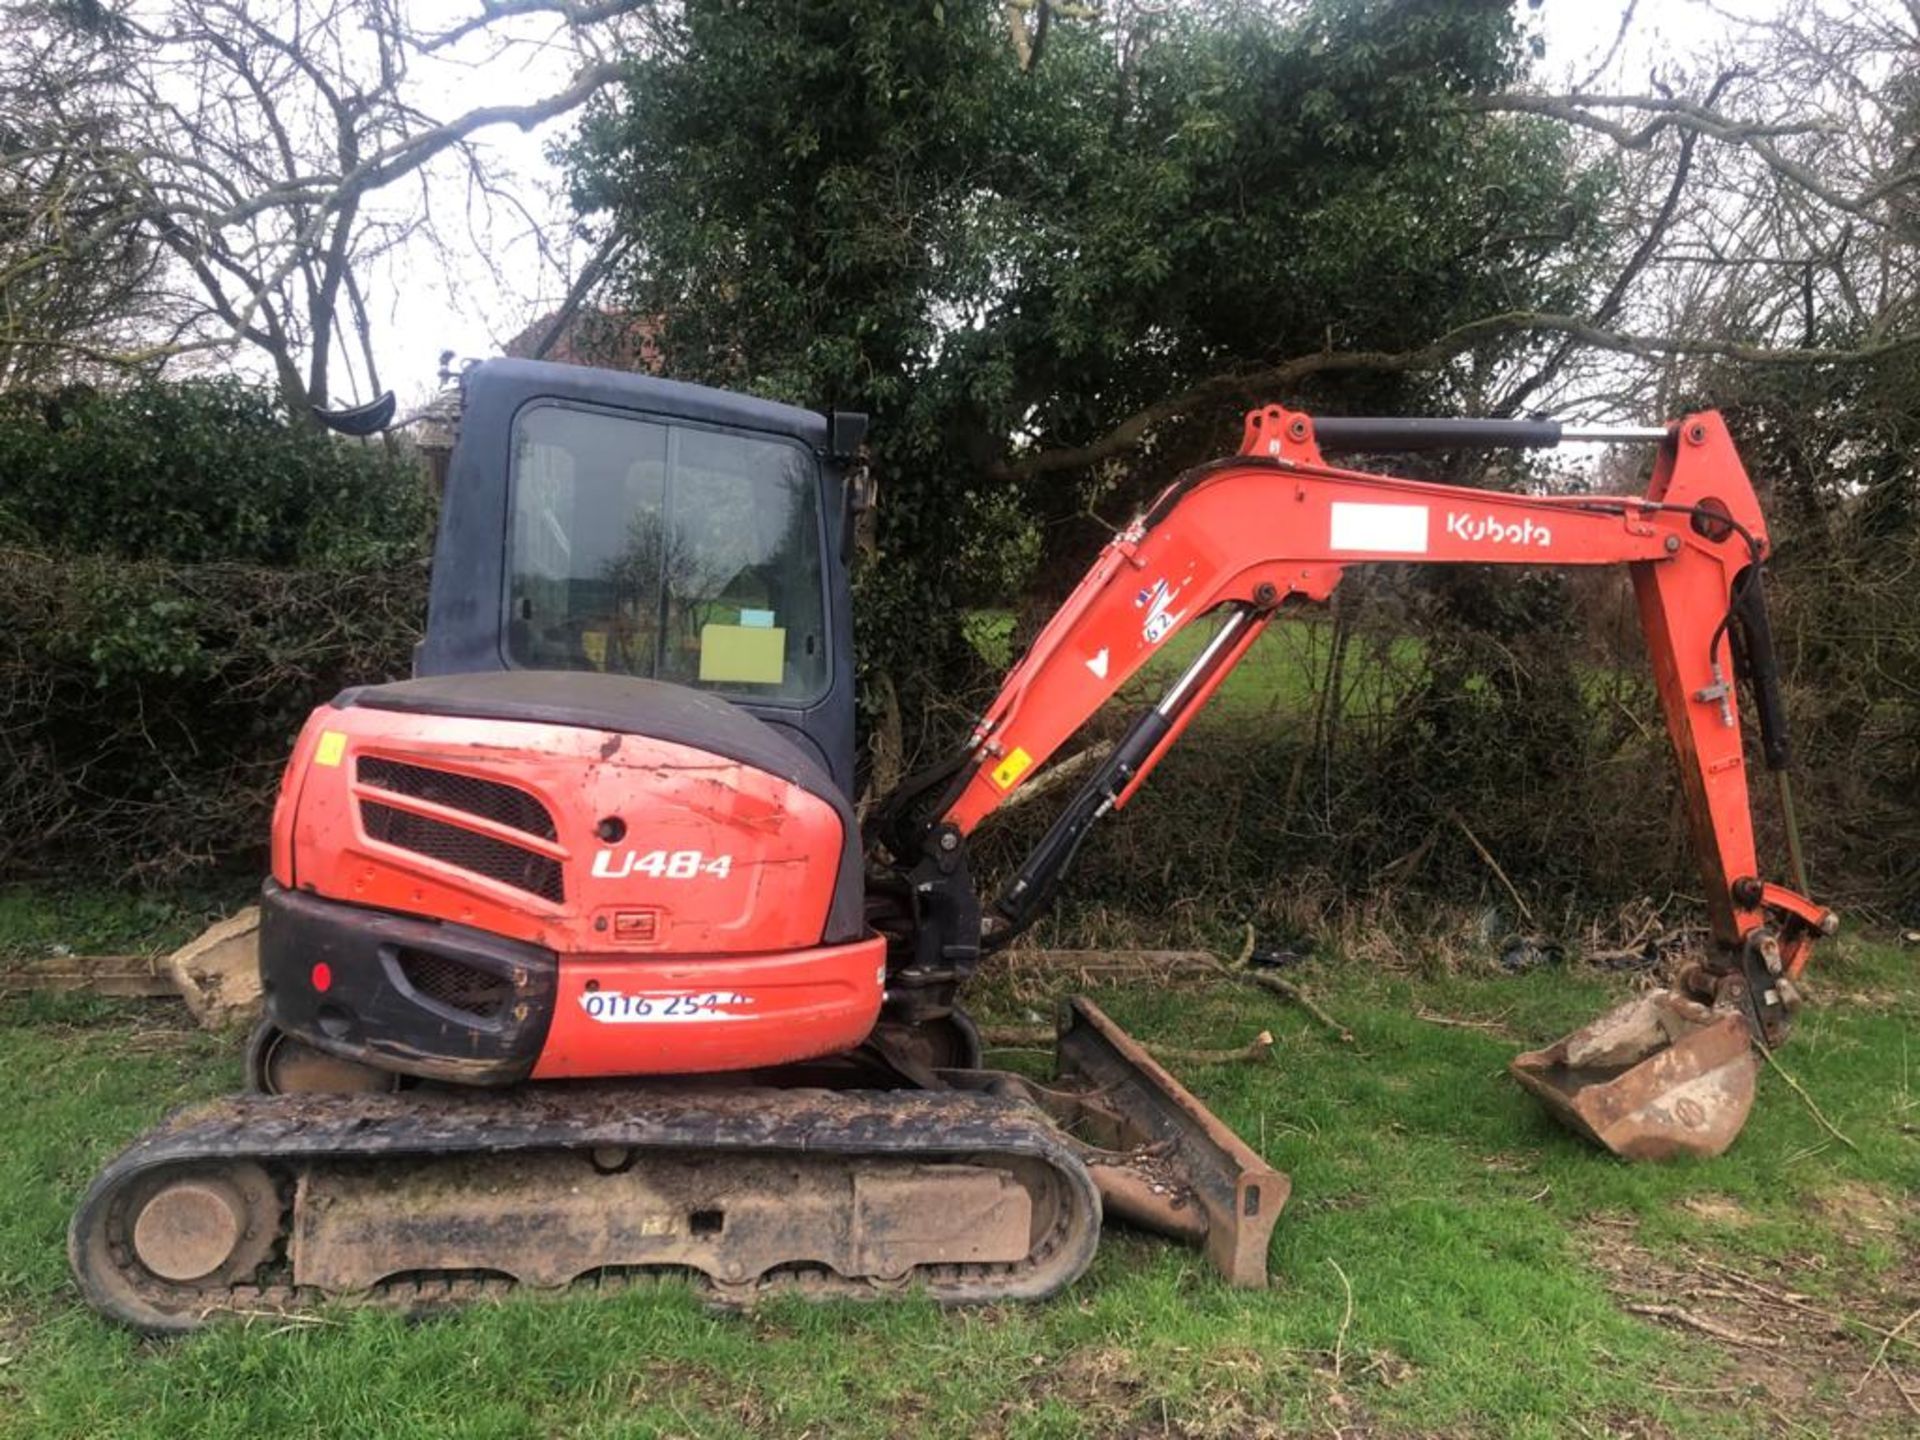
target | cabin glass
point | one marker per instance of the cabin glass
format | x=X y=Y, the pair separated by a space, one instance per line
x=666 y=550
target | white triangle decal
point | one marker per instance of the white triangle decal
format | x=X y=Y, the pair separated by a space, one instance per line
x=1098 y=664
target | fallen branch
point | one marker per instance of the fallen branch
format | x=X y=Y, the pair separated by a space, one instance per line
x=1114 y=961
x=1286 y=989
x=1434 y=1018
x=1802 y=1304
x=1800 y=1090
x=126 y=975
x=1708 y=1327
x=1289 y=991
x=1880 y=1360
x=1034 y=1037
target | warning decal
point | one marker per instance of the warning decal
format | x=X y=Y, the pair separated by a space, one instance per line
x=1012 y=768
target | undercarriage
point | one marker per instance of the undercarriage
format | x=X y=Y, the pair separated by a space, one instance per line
x=988 y=1188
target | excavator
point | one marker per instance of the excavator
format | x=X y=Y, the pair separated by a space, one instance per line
x=578 y=968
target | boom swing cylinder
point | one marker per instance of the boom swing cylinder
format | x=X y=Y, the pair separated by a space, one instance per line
x=1277 y=522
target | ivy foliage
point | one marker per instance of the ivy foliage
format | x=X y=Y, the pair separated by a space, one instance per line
x=869 y=204
x=199 y=471
x=186 y=577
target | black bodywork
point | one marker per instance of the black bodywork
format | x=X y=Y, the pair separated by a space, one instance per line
x=421 y=997
x=467 y=611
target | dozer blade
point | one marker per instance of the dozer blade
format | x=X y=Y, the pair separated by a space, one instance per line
x=1658 y=1077
x=1161 y=1159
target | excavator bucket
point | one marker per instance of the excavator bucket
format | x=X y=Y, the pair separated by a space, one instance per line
x=1657 y=1077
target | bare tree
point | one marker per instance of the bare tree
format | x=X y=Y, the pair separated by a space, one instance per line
x=72 y=282
x=262 y=147
x=1770 y=197
x=1767 y=214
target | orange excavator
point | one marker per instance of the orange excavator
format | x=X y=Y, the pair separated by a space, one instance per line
x=577 y=966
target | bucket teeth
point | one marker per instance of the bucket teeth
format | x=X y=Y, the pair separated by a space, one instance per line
x=1658 y=1077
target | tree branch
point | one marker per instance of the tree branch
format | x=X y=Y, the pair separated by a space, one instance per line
x=1579 y=109
x=1288 y=373
x=588 y=277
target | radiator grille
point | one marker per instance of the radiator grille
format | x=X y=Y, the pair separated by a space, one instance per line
x=481 y=854
x=459 y=987
x=489 y=799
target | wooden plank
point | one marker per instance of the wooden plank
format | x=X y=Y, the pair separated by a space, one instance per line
x=138 y=976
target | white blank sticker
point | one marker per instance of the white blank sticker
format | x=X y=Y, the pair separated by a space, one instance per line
x=1395 y=529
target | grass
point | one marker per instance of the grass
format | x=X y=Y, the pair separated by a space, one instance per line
x=1278 y=674
x=1450 y=1262
x=38 y=922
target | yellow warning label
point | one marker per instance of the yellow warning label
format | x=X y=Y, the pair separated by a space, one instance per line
x=333 y=744
x=1012 y=768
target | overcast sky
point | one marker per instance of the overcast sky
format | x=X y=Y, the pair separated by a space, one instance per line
x=494 y=284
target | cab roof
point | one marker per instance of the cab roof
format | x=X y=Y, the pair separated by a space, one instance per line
x=495 y=385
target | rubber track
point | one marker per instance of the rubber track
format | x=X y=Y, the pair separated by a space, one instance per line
x=288 y=1132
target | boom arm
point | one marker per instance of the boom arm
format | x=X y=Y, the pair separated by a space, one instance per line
x=1276 y=521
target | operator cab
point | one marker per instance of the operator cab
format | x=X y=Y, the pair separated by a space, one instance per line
x=609 y=523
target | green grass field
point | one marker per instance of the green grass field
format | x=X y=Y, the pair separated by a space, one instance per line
x=1279 y=673
x=1450 y=1262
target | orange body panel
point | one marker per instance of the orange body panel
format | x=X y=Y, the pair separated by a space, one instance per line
x=768 y=849
x=705 y=915
x=615 y=1015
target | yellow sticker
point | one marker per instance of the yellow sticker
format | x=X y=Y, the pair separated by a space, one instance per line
x=1012 y=768
x=333 y=744
x=743 y=654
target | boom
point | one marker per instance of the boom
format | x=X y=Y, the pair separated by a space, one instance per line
x=1276 y=522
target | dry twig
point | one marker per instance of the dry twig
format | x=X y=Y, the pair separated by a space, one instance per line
x=1879 y=1361
x=1346 y=1319
x=1766 y=1053
x=1708 y=1327
x=1283 y=988
x=1803 y=1304
x=1494 y=865
x=1433 y=1017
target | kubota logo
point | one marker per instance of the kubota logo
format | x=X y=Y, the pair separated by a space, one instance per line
x=1490 y=527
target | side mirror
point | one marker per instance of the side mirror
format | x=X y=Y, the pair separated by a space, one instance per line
x=845 y=430
x=360 y=421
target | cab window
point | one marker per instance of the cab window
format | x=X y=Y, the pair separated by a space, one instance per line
x=642 y=547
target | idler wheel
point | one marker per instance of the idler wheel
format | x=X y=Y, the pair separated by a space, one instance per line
x=189 y=1229
x=280 y=1064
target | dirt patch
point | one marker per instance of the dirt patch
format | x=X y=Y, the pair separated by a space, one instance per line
x=1100 y=1382
x=1717 y=1210
x=1789 y=1345
x=1108 y=1388
x=1227 y=1393
x=1856 y=1207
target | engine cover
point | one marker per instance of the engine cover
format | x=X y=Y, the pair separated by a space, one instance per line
x=484 y=877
